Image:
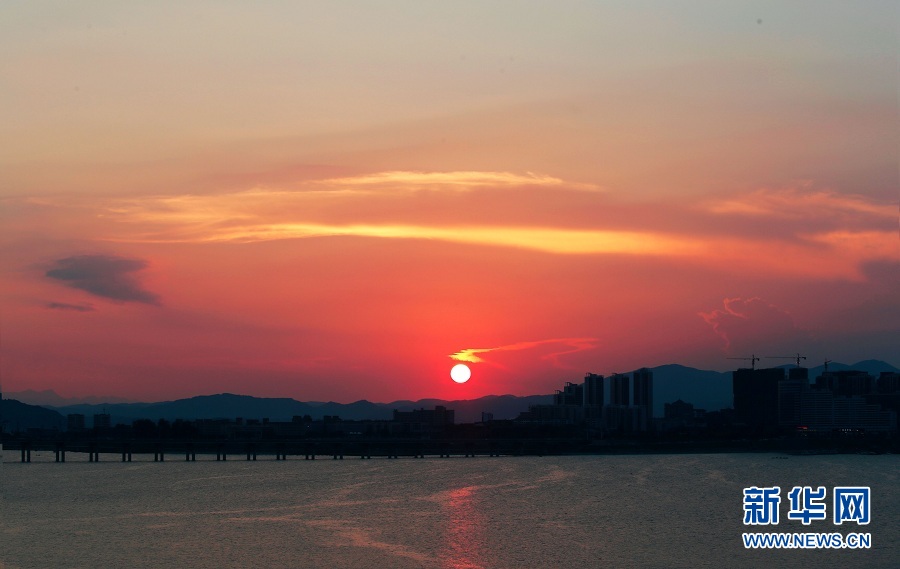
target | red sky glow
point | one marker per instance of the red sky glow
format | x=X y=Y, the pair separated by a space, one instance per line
x=343 y=201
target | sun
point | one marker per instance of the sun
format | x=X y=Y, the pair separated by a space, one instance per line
x=460 y=373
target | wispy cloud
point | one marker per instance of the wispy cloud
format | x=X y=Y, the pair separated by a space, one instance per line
x=273 y=214
x=459 y=180
x=80 y=307
x=562 y=347
x=105 y=276
x=804 y=202
x=797 y=231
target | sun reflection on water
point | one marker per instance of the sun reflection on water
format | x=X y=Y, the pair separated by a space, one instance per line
x=465 y=534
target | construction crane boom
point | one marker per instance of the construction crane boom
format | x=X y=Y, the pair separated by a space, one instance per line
x=797 y=357
x=753 y=359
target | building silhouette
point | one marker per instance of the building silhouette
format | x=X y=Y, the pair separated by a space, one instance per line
x=847 y=383
x=756 y=397
x=424 y=420
x=642 y=394
x=618 y=386
x=594 y=399
x=570 y=394
x=593 y=390
x=75 y=422
x=102 y=421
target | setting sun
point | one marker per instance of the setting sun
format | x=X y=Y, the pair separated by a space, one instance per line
x=460 y=373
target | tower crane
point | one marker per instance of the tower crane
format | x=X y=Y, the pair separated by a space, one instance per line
x=753 y=359
x=797 y=357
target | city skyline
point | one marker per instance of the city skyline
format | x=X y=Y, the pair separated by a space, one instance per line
x=344 y=202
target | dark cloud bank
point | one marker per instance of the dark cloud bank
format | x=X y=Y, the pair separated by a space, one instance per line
x=106 y=276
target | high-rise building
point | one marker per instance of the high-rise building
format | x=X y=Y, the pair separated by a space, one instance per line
x=642 y=390
x=642 y=396
x=75 y=421
x=847 y=383
x=756 y=397
x=593 y=390
x=889 y=382
x=618 y=389
x=791 y=399
x=594 y=398
x=571 y=394
x=811 y=410
x=102 y=421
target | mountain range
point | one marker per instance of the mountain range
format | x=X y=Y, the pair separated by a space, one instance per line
x=710 y=390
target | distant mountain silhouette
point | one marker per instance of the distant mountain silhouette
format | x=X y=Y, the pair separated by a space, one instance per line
x=705 y=389
x=50 y=398
x=874 y=367
x=18 y=416
x=230 y=406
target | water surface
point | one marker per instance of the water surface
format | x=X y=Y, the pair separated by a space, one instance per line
x=507 y=512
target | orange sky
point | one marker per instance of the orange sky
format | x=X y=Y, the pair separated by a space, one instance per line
x=339 y=202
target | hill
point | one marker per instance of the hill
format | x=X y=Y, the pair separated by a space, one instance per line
x=231 y=406
x=16 y=416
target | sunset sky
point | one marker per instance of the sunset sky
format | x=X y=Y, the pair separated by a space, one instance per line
x=342 y=200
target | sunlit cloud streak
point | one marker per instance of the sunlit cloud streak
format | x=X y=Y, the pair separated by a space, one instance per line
x=466 y=180
x=569 y=346
x=796 y=230
x=548 y=240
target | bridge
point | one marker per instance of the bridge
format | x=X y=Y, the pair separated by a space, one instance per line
x=309 y=449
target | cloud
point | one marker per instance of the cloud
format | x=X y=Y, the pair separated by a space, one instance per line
x=565 y=346
x=548 y=240
x=105 y=276
x=803 y=203
x=798 y=231
x=80 y=307
x=752 y=325
x=459 y=180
